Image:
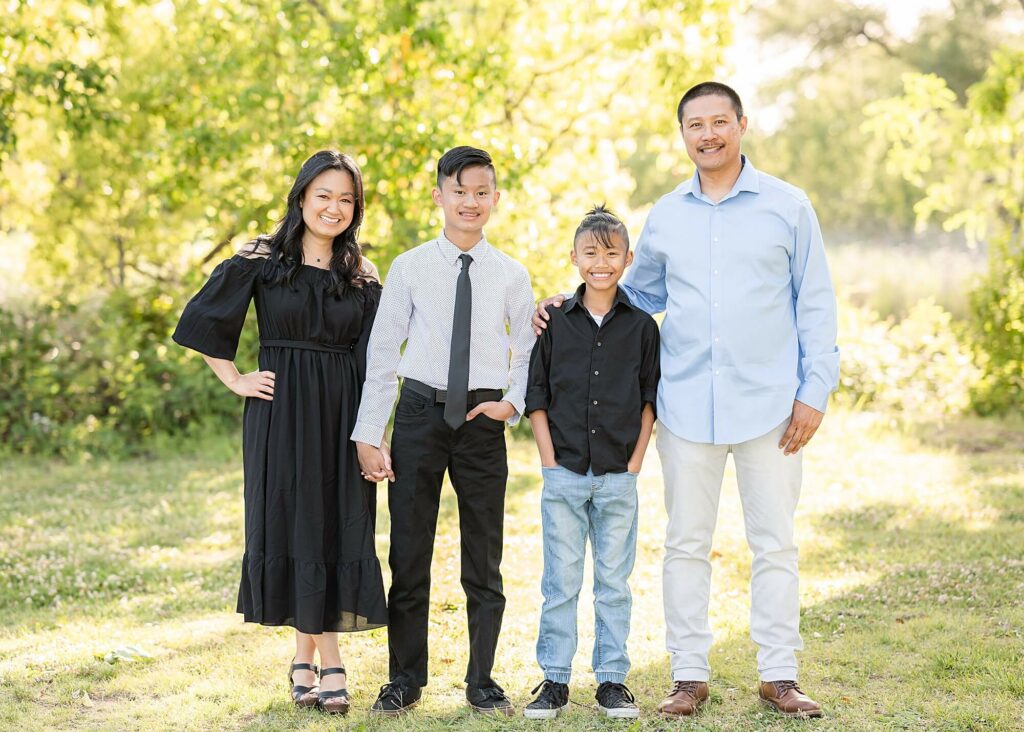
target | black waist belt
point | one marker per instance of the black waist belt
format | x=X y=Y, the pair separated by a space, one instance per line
x=310 y=346
x=438 y=396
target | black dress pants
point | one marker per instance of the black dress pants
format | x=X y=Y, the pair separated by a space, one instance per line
x=423 y=447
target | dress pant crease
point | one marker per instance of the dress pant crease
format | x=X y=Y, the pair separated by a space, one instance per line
x=424 y=446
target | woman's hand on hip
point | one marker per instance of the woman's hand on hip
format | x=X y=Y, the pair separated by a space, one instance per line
x=257 y=384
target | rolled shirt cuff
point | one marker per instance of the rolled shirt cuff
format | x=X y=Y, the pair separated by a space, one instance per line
x=650 y=396
x=535 y=401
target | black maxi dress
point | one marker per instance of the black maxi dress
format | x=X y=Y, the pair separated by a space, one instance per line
x=310 y=560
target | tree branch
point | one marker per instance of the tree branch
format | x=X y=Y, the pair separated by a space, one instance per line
x=158 y=276
x=571 y=123
x=218 y=247
x=879 y=41
x=321 y=10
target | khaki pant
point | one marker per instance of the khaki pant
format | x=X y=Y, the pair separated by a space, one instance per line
x=769 y=487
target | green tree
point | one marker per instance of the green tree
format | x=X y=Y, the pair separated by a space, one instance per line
x=854 y=58
x=167 y=133
x=968 y=158
x=140 y=142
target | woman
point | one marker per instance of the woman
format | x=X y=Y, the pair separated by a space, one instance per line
x=310 y=561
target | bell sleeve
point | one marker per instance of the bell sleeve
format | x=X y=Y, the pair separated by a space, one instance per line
x=212 y=321
x=371 y=299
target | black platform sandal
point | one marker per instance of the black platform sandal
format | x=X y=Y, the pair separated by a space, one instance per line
x=304 y=696
x=333 y=702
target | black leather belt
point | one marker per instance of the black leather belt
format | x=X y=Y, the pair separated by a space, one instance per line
x=438 y=396
x=309 y=345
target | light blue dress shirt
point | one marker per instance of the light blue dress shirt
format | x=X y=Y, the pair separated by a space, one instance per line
x=750 y=318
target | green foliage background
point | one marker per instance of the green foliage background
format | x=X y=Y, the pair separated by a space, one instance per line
x=142 y=142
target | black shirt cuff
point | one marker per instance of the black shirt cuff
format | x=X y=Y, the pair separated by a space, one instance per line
x=535 y=401
x=650 y=396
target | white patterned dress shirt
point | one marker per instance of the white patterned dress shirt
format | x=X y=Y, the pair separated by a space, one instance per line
x=417 y=307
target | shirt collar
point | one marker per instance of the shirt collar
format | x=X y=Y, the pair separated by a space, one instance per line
x=748 y=181
x=577 y=299
x=451 y=253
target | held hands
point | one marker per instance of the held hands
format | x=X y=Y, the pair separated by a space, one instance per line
x=498 y=411
x=375 y=462
x=802 y=426
x=541 y=317
x=258 y=384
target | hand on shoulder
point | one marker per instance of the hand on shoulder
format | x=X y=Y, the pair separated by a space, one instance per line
x=541 y=316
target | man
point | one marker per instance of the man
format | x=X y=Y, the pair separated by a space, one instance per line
x=735 y=259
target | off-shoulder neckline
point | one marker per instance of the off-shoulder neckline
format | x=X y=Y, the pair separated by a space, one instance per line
x=262 y=259
x=240 y=257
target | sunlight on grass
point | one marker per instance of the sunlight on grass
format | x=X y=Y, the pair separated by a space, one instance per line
x=911 y=577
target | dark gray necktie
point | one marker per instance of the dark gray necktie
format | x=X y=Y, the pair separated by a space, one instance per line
x=458 y=362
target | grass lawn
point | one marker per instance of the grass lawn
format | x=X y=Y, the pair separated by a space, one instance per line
x=912 y=567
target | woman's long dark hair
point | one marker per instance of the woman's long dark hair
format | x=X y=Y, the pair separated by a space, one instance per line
x=285 y=244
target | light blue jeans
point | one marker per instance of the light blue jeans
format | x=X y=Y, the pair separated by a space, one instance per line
x=573 y=507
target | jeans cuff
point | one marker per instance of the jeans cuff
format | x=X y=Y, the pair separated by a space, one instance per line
x=616 y=677
x=779 y=673
x=558 y=676
x=692 y=673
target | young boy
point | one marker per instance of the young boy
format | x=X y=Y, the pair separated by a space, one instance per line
x=463 y=310
x=590 y=399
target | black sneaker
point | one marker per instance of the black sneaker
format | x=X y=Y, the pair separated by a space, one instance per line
x=553 y=698
x=395 y=699
x=489 y=700
x=616 y=701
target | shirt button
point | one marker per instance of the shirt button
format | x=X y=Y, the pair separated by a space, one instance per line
x=593 y=432
x=716 y=340
x=597 y=373
x=595 y=401
x=599 y=343
x=716 y=271
x=716 y=238
x=717 y=372
x=716 y=304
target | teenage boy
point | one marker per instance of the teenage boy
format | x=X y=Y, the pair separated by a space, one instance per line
x=463 y=310
x=593 y=385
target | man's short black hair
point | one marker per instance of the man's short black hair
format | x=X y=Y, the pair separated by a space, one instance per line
x=710 y=89
x=453 y=162
x=601 y=224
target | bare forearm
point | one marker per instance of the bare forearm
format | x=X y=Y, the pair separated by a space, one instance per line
x=226 y=370
x=257 y=384
x=646 y=428
x=542 y=435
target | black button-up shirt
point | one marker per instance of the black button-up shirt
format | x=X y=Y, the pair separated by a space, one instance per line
x=593 y=382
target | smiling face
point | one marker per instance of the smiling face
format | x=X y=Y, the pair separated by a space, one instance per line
x=601 y=266
x=328 y=204
x=467 y=202
x=712 y=133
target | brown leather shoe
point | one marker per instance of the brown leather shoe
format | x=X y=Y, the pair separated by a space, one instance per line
x=684 y=700
x=787 y=699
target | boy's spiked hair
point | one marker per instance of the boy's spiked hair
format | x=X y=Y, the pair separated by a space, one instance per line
x=710 y=89
x=453 y=162
x=601 y=224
